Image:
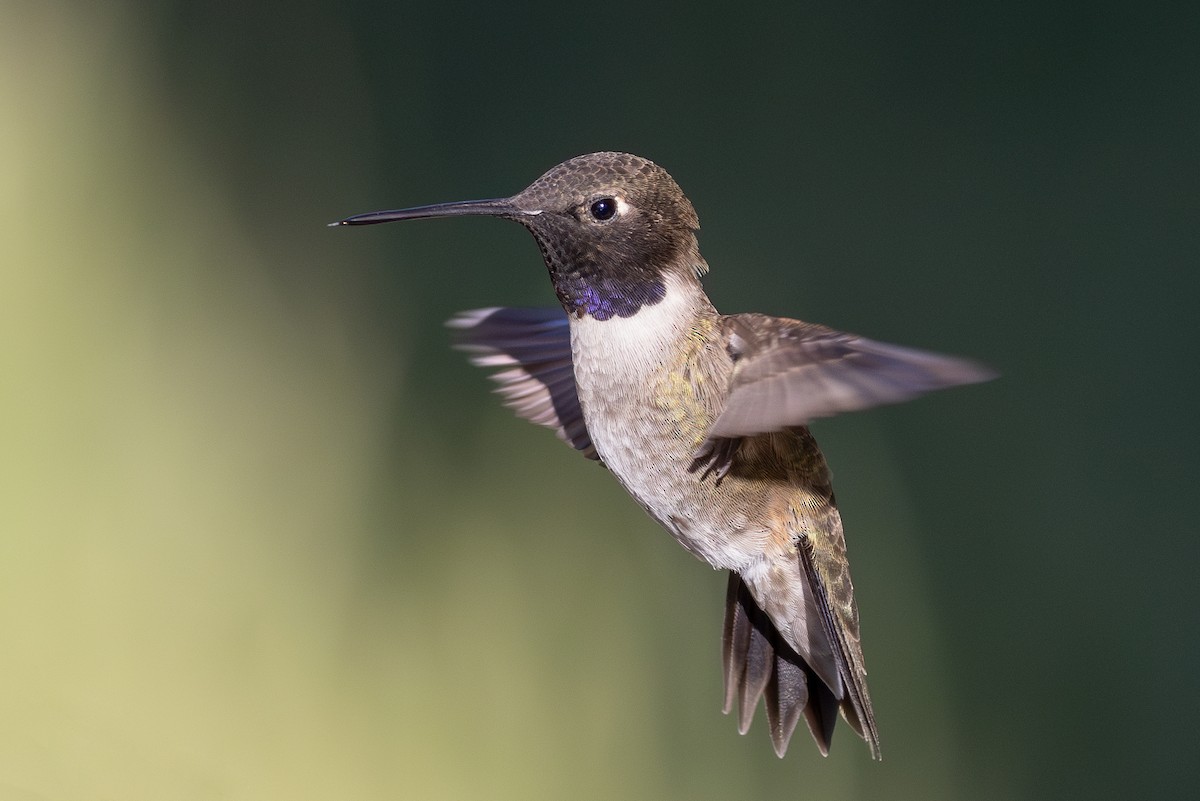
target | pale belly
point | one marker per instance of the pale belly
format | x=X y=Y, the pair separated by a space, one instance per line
x=645 y=425
x=700 y=518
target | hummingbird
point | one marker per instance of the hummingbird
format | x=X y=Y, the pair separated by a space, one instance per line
x=702 y=417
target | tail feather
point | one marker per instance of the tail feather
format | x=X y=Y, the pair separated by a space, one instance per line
x=759 y=664
x=786 y=700
x=749 y=661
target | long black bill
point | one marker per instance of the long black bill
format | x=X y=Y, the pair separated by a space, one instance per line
x=499 y=207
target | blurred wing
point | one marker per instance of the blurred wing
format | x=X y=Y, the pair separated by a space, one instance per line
x=788 y=372
x=537 y=378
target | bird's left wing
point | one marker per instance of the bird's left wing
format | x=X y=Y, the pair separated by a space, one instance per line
x=537 y=378
x=788 y=372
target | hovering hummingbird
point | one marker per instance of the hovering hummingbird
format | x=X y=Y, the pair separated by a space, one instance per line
x=702 y=417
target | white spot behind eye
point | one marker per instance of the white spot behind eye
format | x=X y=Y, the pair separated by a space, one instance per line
x=622 y=206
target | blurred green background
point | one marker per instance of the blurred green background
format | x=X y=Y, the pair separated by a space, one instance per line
x=263 y=536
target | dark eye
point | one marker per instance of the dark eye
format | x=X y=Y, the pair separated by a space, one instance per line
x=604 y=208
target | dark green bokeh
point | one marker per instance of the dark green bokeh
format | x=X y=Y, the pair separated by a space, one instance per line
x=264 y=536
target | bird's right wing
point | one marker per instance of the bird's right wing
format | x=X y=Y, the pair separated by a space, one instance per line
x=537 y=377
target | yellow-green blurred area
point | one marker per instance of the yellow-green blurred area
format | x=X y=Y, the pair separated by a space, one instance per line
x=263 y=536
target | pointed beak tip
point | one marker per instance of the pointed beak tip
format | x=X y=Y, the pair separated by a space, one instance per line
x=482 y=208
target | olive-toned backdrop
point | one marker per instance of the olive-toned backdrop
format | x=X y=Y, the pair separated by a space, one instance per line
x=264 y=536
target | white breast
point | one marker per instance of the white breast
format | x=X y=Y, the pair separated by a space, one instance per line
x=621 y=367
x=614 y=351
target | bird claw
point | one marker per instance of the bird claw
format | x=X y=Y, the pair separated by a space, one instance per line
x=715 y=457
